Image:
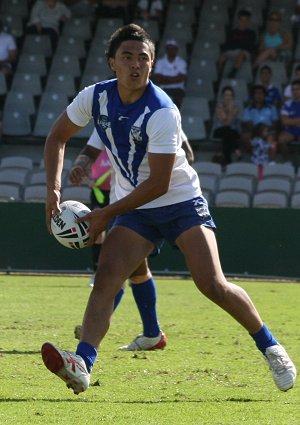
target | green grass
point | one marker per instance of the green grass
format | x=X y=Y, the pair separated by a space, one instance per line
x=209 y=374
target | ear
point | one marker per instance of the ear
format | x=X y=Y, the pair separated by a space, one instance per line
x=111 y=63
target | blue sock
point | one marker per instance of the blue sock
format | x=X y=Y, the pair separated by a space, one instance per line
x=88 y=353
x=145 y=298
x=118 y=298
x=264 y=339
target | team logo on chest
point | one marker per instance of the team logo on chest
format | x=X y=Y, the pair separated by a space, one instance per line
x=103 y=122
x=136 y=134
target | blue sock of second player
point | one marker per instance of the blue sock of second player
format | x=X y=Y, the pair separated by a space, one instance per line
x=145 y=298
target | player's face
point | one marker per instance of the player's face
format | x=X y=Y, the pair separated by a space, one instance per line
x=132 y=64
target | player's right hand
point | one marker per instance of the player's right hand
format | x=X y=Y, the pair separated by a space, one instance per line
x=52 y=206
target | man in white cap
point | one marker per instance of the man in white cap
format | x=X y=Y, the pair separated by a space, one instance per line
x=170 y=73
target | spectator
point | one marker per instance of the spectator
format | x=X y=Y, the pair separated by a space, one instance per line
x=8 y=51
x=275 y=43
x=273 y=96
x=170 y=73
x=228 y=125
x=287 y=94
x=290 y=118
x=240 y=43
x=295 y=18
x=263 y=147
x=258 y=111
x=147 y=9
x=46 y=17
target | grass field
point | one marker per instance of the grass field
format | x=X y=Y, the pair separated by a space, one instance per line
x=210 y=373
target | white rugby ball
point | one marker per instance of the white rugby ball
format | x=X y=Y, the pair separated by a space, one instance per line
x=65 y=230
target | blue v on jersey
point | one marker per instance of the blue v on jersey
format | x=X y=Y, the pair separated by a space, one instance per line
x=129 y=132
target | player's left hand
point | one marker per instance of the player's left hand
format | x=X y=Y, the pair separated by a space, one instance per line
x=98 y=222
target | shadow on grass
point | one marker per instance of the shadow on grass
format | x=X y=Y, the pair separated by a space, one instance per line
x=18 y=352
x=79 y=400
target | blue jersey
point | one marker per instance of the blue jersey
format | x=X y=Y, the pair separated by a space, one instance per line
x=129 y=131
x=265 y=115
x=127 y=124
x=291 y=109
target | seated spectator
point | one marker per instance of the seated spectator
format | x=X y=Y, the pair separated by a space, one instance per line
x=8 y=51
x=46 y=17
x=240 y=44
x=290 y=118
x=273 y=96
x=263 y=148
x=228 y=125
x=257 y=112
x=170 y=73
x=275 y=43
x=147 y=9
x=287 y=94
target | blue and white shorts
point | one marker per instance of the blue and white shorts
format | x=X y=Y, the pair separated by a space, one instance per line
x=157 y=224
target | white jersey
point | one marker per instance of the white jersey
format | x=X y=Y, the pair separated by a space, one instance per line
x=129 y=132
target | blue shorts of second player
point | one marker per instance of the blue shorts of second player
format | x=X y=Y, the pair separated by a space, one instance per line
x=156 y=224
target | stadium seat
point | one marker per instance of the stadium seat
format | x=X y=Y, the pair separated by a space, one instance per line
x=270 y=200
x=195 y=106
x=44 y=121
x=70 y=45
x=239 y=86
x=16 y=123
x=241 y=169
x=9 y=193
x=78 y=193
x=105 y=27
x=35 y=193
x=16 y=162
x=61 y=83
x=295 y=200
x=79 y=26
x=13 y=177
x=54 y=102
x=274 y=184
x=201 y=87
x=27 y=82
x=193 y=126
x=65 y=64
x=32 y=63
x=207 y=168
x=37 y=44
x=237 y=183
x=279 y=170
x=20 y=101
x=232 y=199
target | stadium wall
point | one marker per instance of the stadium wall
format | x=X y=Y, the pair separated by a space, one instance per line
x=261 y=242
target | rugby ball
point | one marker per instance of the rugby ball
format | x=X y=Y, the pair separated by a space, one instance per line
x=65 y=230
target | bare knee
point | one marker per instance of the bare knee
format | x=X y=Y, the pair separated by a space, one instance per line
x=216 y=289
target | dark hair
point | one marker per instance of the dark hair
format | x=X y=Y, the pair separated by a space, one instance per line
x=260 y=87
x=244 y=12
x=129 y=32
x=265 y=68
x=258 y=129
x=295 y=83
x=230 y=88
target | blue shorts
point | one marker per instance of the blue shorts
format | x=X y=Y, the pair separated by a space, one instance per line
x=157 y=224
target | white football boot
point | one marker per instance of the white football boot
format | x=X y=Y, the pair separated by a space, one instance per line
x=283 y=369
x=67 y=366
x=142 y=342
